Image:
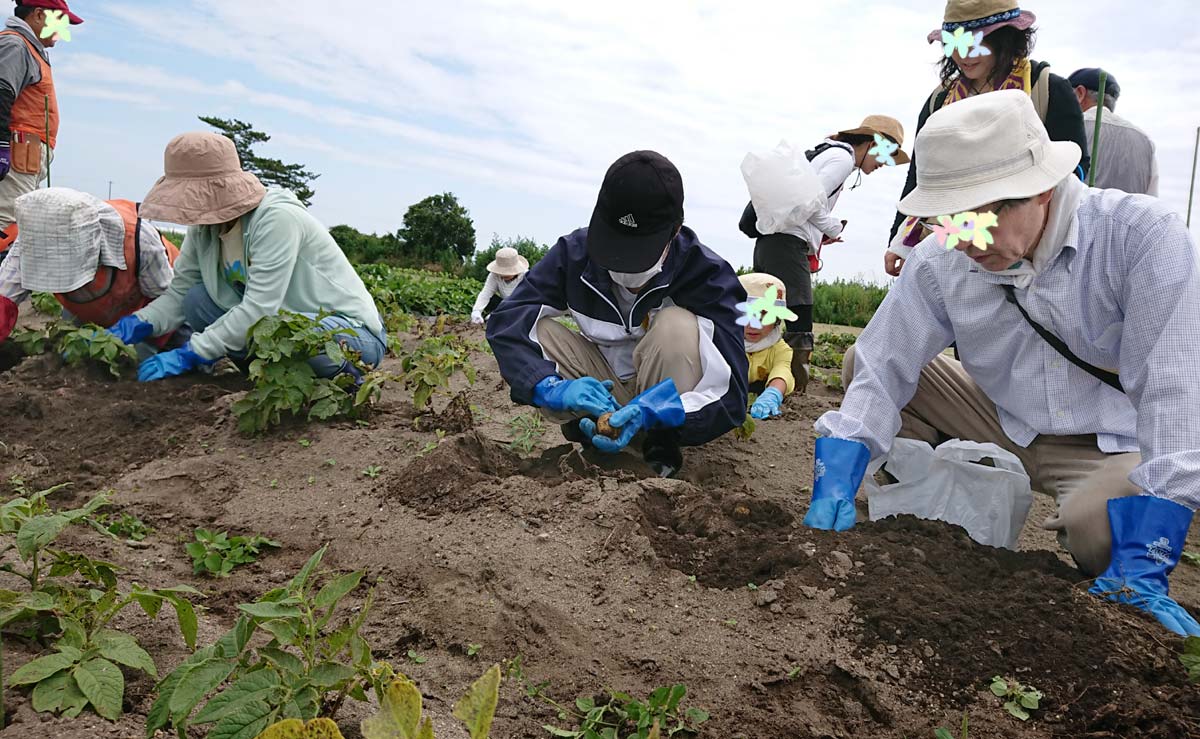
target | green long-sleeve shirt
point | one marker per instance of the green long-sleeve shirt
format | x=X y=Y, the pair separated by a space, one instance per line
x=292 y=264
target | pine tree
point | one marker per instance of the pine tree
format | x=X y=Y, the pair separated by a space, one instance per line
x=293 y=177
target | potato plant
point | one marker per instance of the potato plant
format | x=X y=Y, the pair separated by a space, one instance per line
x=46 y=304
x=217 y=553
x=77 y=345
x=431 y=365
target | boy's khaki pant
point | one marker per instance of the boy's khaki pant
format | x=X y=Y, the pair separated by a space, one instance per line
x=16 y=184
x=1081 y=478
x=670 y=349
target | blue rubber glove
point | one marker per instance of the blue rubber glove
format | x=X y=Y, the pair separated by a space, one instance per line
x=1147 y=540
x=660 y=407
x=5 y=158
x=838 y=470
x=768 y=404
x=170 y=364
x=585 y=395
x=131 y=330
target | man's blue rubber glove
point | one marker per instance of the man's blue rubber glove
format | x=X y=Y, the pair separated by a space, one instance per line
x=585 y=395
x=660 y=407
x=131 y=330
x=768 y=404
x=170 y=364
x=1147 y=540
x=838 y=470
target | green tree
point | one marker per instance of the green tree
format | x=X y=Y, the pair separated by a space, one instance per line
x=526 y=247
x=364 y=248
x=438 y=227
x=293 y=177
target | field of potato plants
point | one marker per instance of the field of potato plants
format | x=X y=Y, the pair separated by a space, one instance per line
x=282 y=556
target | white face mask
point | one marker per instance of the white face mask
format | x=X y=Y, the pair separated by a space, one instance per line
x=635 y=280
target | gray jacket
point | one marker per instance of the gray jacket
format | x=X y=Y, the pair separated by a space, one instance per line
x=18 y=69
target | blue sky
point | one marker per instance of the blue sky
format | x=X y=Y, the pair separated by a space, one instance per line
x=518 y=107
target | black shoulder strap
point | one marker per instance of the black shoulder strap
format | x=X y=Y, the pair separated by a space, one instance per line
x=137 y=243
x=816 y=151
x=1108 y=378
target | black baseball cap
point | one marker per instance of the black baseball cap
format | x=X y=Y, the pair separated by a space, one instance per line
x=1089 y=78
x=637 y=214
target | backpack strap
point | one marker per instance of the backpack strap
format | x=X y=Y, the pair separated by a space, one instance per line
x=137 y=244
x=1108 y=378
x=824 y=146
x=1040 y=93
x=937 y=98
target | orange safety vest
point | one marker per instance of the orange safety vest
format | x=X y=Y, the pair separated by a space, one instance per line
x=114 y=293
x=29 y=112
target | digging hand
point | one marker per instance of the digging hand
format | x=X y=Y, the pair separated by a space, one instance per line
x=660 y=407
x=8 y=317
x=585 y=395
x=1148 y=534
x=769 y=404
x=477 y=318
x=838 y=470
x=170 y=364
x=132 y=330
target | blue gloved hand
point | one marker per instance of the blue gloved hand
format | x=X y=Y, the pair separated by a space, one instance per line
x=5 y=158
x=660 y=407
x=170 y=364
x=132 y=330
x=585 y=395
x=838 y=470
x=1147 y=540
x=768 y=404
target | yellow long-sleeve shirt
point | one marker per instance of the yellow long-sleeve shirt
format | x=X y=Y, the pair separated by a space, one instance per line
x=774 y=362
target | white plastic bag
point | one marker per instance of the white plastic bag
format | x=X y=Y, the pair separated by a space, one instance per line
x=945 y=484
x=784 y=188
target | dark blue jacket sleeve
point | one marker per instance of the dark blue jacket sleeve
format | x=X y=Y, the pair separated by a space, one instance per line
x=715 y=296
x=510 y=327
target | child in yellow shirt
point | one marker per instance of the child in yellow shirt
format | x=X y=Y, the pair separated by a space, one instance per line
x=770 y=356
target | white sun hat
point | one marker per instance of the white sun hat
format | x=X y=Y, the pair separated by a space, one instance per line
x=65 y=236
x=984 y=149
x=508 y=262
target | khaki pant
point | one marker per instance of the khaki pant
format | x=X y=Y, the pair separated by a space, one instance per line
x=1081 y=478
x=15 y=184
x=670 y=349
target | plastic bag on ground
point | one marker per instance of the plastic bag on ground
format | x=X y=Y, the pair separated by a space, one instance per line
x=948 y=484
x=784 y=188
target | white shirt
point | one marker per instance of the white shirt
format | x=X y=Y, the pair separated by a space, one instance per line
x=153 y=279
x=1126 y=160
x=492 y=286
x=1122 y=292
x=833 y=167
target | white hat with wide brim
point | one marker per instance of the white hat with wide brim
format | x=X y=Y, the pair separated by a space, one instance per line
x=982 y=150
x=508 y=262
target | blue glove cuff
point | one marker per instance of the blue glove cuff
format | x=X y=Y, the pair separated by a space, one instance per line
x=662 y=408
x=839 y=468
x=543 y=387
x=1148 y=535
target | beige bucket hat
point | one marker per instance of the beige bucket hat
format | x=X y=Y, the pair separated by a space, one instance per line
x=885 y=126
x=756 y=285
x=508 y=262
x=204 y=183
x=984 y=149
x=65 y=237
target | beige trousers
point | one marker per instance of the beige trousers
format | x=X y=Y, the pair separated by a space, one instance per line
x=15 y=184
x=670 y=348
x=1081 y=478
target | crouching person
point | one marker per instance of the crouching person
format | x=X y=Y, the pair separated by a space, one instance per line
x=99 y=259
x=770 y=356
x=249 y=253
x=658 y=344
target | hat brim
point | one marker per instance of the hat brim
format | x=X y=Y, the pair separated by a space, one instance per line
x=1022 y=22
x=899 y=156
x=522 y=266
x=75 y=20
x=204 y=201
x=1060 y=160
x=618 y=251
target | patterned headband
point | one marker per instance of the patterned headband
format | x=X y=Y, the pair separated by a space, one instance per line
x=1008 y=15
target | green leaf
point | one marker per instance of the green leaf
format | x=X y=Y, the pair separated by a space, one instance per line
x=287 y=632
x=198 y=682
x=41 y=668
x=188 y=624
x=1016 y=710
x=101 y=681
x=399 y=712
x=48 y=694
x=232 y=642
x=271 y=610
x=940 y=733
x=999 y=687
x=245 y=722
x=331 y=674
x=696 y=716
x=124 y=650
x=160 y=713
x=1030 y=700
x=337 y=589
x=39 y=532
x=477 y=708
x=74 y=701
x=555 y=731
x=299 y=582
x=287 y=661
x=256 y=686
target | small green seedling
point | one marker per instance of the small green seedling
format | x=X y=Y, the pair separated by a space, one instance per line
x=527 y=429
x=1191 y=658
x=306 y=443
x=1192 y=558
x=126 y=526
x=330 y=463
x=216 y=554
x=415 y=658
x=941 y=733
x=1019 y=699
x=473 y=649
x=372 y=471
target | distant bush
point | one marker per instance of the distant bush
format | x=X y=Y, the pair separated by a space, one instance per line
x=526 y=247
x=846 y=303
x=175 y=237
x=417 y=291
x=364 y=248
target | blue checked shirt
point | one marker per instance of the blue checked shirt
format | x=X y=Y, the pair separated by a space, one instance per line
x=1123 y=293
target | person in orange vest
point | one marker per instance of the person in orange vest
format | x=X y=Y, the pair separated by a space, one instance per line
x=99 y=259
x=28 y=106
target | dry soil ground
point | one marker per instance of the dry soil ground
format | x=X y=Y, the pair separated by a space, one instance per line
x=597 y=574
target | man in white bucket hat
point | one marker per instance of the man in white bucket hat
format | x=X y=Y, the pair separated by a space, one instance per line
x=504 y=274
x=1068 y=281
